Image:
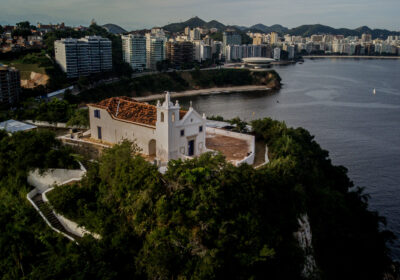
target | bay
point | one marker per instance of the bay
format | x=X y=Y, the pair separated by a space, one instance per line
x=334 y=100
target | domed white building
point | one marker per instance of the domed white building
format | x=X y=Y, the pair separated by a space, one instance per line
x=257 y=62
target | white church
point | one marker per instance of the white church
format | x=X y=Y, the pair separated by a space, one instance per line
x=164 y=131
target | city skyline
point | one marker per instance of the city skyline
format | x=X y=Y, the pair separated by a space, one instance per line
x=142 y=14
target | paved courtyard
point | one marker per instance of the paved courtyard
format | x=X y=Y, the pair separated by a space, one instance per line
x=231 y=148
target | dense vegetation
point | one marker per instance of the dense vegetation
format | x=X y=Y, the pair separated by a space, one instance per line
x=27 y=245
x=347 y=240
x=53 y=111
x=180 y=81
x=207 y=219
x=23 y=29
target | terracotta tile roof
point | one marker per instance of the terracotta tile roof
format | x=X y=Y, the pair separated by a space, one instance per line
x=131 y=110
x=182 y=113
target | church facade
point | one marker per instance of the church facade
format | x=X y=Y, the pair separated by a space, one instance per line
x=163 y=131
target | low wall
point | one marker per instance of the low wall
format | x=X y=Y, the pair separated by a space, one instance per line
x=250 y=140
x=53 y=176
x=68 y=224
x=29 y=196
x=75 y=141
x=43 y=181
x=54 y=124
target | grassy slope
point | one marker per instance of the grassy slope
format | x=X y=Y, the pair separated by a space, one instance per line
x=25 y=68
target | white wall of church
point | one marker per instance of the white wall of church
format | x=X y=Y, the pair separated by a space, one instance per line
x=114 y=131
x=191 y=124
x=171 y=144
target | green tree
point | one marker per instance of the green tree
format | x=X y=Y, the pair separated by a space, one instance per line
x=23 y=25
x=79 y=118
x=239 y=125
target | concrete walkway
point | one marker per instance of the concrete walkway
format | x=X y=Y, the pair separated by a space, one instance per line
x=44 y=182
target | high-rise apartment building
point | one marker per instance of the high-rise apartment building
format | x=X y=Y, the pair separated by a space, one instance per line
x=366 y=38
x=205 y=52
x=187 y=30
x=85 y=56
x=274 y=38
x=195 y=34
x=179 y=53
x=291 y=51
x=134 y=51
x=10 y=84
x=266 y=51
x=155 y=51
x=317 y=38
x=202 y=51
x=277 y=53
x=100 y=54
x=231 y=38
x=257 y=40
x=72 y=55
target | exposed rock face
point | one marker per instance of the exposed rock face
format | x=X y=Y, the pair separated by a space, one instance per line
x=270 y=80
x=304 y=236
x=36 y=79
x=274 y=84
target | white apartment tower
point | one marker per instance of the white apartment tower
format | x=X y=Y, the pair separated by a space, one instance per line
x=155 y=50
x=82 y=57
x=277 y=54
x=134 y=51
x=100 y=53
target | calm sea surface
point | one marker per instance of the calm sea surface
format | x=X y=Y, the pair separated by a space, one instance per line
x=333 y=99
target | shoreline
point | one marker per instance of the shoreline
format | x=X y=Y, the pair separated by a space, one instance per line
x=207 y=91
x=350 y=56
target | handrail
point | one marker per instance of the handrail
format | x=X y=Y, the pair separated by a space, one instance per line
x=45 y=219
x=35 y=191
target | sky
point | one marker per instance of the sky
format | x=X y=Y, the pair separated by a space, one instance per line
x=138 y=14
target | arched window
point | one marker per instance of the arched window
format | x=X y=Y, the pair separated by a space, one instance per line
x=162 y=117
x=173 y=117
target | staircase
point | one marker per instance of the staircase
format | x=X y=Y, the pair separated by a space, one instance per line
x=51 y=218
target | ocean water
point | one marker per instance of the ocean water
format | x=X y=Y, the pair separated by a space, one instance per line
x=334 y=100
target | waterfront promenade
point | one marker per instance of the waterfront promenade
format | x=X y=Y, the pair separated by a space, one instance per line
x=350 y=56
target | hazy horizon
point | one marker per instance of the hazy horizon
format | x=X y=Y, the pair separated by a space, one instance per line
x=141 y=14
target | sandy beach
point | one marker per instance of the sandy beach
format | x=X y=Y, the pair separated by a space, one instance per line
x=208 y=91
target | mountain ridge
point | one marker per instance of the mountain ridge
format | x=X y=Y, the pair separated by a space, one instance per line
x=302 y=30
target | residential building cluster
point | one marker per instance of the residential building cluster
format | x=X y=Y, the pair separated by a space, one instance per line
x=83 y=57
x=144 y=51
x=9 y=42
x=329 y=44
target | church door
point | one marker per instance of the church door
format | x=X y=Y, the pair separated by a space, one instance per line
x=191 y=148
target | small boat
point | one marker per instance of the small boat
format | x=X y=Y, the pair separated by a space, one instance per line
x=374 y=91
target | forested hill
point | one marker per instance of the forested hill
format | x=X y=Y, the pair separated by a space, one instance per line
x=308 y=30
x=203 y=219
x=303 y=30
